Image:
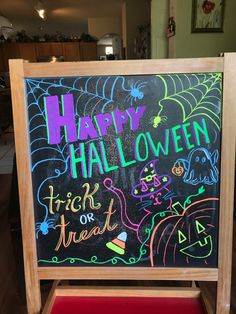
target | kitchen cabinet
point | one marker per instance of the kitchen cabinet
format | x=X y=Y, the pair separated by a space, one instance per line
x=34 y=52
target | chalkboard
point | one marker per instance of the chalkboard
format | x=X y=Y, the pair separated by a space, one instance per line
x=126 y=169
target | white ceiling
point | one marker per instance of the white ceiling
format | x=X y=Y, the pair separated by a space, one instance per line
x=66 y=16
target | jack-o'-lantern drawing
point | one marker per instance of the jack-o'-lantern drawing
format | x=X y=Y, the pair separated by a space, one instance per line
x=189 y=238
x=177 y=170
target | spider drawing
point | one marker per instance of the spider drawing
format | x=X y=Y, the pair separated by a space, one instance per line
x=135 y=92
x=44 y=226
x=157 y=120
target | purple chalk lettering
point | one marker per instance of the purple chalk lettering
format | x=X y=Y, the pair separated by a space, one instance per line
x=135 y=116
x=86 y=129
x=120 y=118
x=55 y=120
x=103 y=121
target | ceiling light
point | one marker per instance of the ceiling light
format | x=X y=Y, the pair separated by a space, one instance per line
x=41 y=13
x=40 y=8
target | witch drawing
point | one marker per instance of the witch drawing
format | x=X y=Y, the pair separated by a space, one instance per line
x=153 y=196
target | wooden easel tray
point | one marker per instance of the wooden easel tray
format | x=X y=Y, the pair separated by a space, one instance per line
x=116 y=300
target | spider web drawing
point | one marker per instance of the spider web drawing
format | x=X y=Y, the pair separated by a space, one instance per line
x=196 y=95
x=92 y=95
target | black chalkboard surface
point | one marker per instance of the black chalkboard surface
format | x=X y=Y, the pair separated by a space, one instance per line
x=125 y=169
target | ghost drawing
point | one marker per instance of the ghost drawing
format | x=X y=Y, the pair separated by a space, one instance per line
x=200 y=167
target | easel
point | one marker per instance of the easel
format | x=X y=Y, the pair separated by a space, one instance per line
x=33 y=274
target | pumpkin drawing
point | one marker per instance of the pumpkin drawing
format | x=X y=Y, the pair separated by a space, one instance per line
x=177 y=170
x=188 y=238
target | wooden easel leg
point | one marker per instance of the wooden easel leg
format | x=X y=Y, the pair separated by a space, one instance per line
x=227 y=186
x=33 y=297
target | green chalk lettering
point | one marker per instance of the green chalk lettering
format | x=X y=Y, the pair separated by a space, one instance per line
x=94 y=159
x=176 y=138
x=74 y=160
x=46 y=118
x=123 y=162
x=106 y=166
x=159 y=147
x=187 y=135
x=201 y=129
x=141 y=138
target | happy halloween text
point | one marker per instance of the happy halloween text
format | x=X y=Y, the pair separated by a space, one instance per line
x=62 y=118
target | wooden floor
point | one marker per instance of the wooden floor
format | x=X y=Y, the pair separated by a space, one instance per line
x=12 y=295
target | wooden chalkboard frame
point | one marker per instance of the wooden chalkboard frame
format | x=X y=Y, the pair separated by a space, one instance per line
x=19 y=70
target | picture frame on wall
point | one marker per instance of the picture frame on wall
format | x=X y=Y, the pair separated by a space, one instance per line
x=207 y=16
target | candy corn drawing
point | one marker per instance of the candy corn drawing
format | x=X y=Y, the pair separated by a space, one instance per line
x=118 y=244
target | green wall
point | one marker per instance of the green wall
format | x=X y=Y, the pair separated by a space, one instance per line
x=185 y=43
x=189 y=44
